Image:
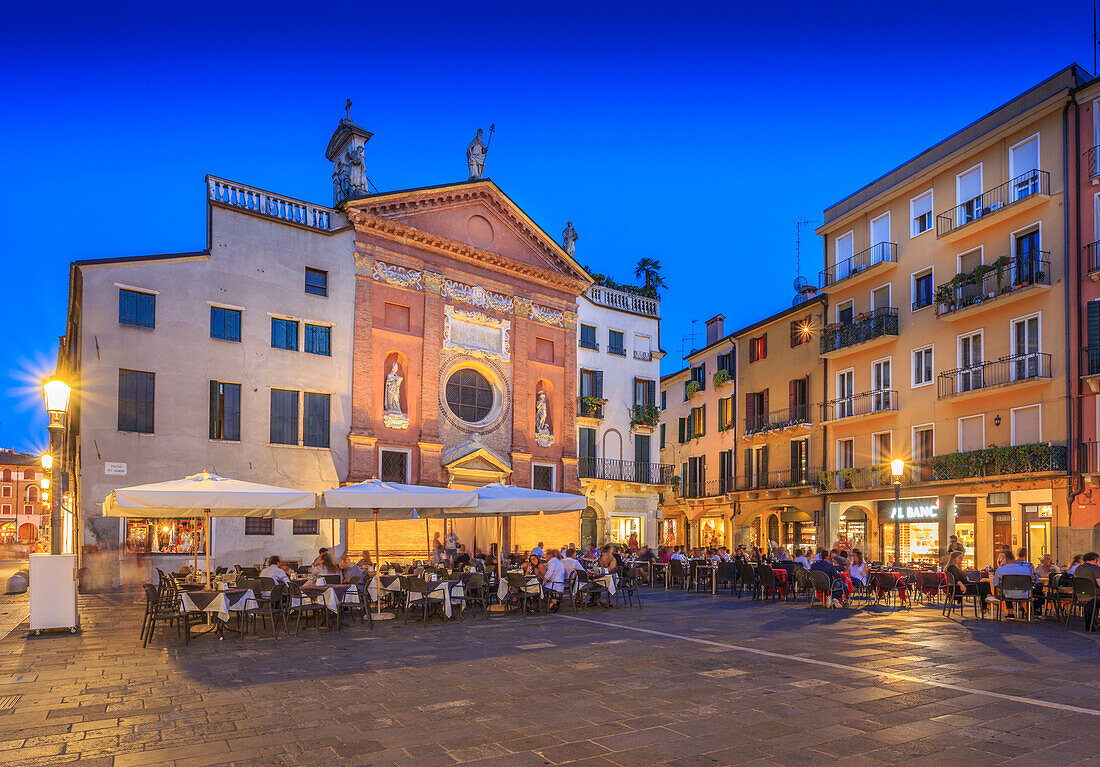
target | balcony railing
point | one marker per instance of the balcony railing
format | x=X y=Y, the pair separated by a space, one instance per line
x=628 y=302
x=883 y=252
x=625 y=471
x=988 y=375
x=999 y=197
x=777 y=420
x=267 y=204
x=703 y=489
x=644 y=356
x=1092 y=257
x=878 y=401
x=1089 y=458
x=993 y=282
x=1094 y=161
x=589 y=343
x=865 y=327
x=589 y=407
x=1090 y=360
x=618 y=351
x=989 y=462
x=784 y=478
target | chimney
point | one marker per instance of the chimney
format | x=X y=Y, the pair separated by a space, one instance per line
x=715 y=328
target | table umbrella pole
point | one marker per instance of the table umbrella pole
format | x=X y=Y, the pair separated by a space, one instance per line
x=379 y=615
x=206 y=543
x=500 y=576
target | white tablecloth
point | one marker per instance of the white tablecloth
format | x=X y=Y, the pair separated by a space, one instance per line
x=607 y=581
x=447 y=591
x=329 y=599
x=532 y=587
x=394 y=585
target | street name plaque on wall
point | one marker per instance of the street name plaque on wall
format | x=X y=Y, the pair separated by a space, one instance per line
x=114 y=469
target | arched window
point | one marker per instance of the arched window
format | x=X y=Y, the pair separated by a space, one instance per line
x=32 y=494
x=7 y=475
x=28 y=474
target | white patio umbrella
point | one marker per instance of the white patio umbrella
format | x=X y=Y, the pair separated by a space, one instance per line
x=206 y=494
x=500 y=500
x=387 y=500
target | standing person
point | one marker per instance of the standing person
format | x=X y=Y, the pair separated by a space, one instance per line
x=436 y=541
x=452 y=544
x=632 y=544
x=537 y=551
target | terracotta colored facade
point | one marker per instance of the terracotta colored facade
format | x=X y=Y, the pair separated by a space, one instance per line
x=457 y=278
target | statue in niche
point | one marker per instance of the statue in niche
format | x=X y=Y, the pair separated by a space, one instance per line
x=569 y=238
x=392 y=415
x=357 y=170
x=543 y=437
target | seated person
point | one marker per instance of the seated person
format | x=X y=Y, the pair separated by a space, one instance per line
x=837 y=583
x=964 y=584
x=1047 y=567
x=553 y=577
x=349 y=571
x=858 y=568
x=678 y=554
x=607 y=559
x=646 y=555
x=1089 y=568
x=533 y=565
x=326 y=567
x=365 y=562
x=1077 y=560
x=571 y=564
x=1012 y=567
x=275 y=570
x=462 y=558
x=320 y=556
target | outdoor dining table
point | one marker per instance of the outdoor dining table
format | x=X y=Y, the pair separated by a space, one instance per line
x=447 y=590
x=216 y=602
x=531 y=586
x=333 y=595
x=391 y=583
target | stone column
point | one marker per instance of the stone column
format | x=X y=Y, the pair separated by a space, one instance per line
x=946 y=523
x=361 y=459
x=522 y=387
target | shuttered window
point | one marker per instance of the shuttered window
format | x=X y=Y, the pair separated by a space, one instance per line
x=315 y=428
x=1025 y=426
x=284 y=417
x=225 y=410
x=135 y=401
x=225 y=324
x=135 y=308
x=971 y=433
x=284 y=334
x=317 y=340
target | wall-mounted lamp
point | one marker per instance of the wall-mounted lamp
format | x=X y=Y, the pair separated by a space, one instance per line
x=997 y=421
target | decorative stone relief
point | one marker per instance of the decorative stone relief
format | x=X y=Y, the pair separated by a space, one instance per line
x=476 y=334
x=397 y=275
x=433 y=283
x=546 y=316
x=543 y=436
x=476 y=295
x=392 y=415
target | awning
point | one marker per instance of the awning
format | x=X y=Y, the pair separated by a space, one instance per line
x=795 y=515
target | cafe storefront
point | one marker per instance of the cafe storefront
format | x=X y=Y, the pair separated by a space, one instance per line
x=919 y=527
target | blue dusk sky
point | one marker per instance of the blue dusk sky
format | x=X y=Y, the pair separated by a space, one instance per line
x=692 y=133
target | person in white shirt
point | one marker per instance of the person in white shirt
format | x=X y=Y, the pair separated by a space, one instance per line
x=1012 y=567
x=553 y=577
x=678 y=554
x=537 y=551
x=275 y=571
x=858 y=569
x=802 y=560
x=571 y=563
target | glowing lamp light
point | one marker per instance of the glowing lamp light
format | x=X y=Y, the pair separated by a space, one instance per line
x=47 y=461
x=45 y=483
x=57 y=395
x=897 y=467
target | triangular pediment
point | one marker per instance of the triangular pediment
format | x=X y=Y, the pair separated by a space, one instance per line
x=476 y=214
x=474 y=456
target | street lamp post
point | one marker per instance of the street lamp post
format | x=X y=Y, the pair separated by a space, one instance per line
x=56 y=393
x=897 y=468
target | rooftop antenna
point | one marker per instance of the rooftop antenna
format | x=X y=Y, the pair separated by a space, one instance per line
x=687 y=342
x=802 y=287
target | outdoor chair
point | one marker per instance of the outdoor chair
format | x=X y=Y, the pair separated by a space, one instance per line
x=221 y=570
x=955 y=599
x=768 y=585
x=159 y=608
x=266 y=585
x=1015 y=590
x=628 y=587
x=803 y=583
x=474 y=592
x=419 y=596
x=1058 y=593
x=749 y=580
x=701 y=574
x=274 y=606
x=678 y=573
x=931 y=586
x=301 y=605
x=251 y=572
x=1084 y=598
x=587 y=592
x=726 y=573
x=361 y=608
x=822 y=587
x=886 y=587
x=518 y=593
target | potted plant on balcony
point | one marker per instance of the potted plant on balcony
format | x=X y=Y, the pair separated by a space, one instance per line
x=645 y=416
x=693 y=388
x=945 y=297
x=592 y=406
x=720 y=377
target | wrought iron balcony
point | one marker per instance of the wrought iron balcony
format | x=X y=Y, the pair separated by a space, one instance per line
x=589 y=343
x=989 y=282
x=1093 y=156
x=1089 y=458
x=865 y=327
x=866 y=403
x=1092 y=257
x=777 y=420
x=1090 y=360
x=777 y=480
x=590 y=407
x=618 y=351
x=998 y=198
x=883 y=252
x=703 y=489
x=625 y=471
x=644 y=355
x=989 y=375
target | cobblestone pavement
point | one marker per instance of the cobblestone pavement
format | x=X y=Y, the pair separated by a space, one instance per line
x=688 y=680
